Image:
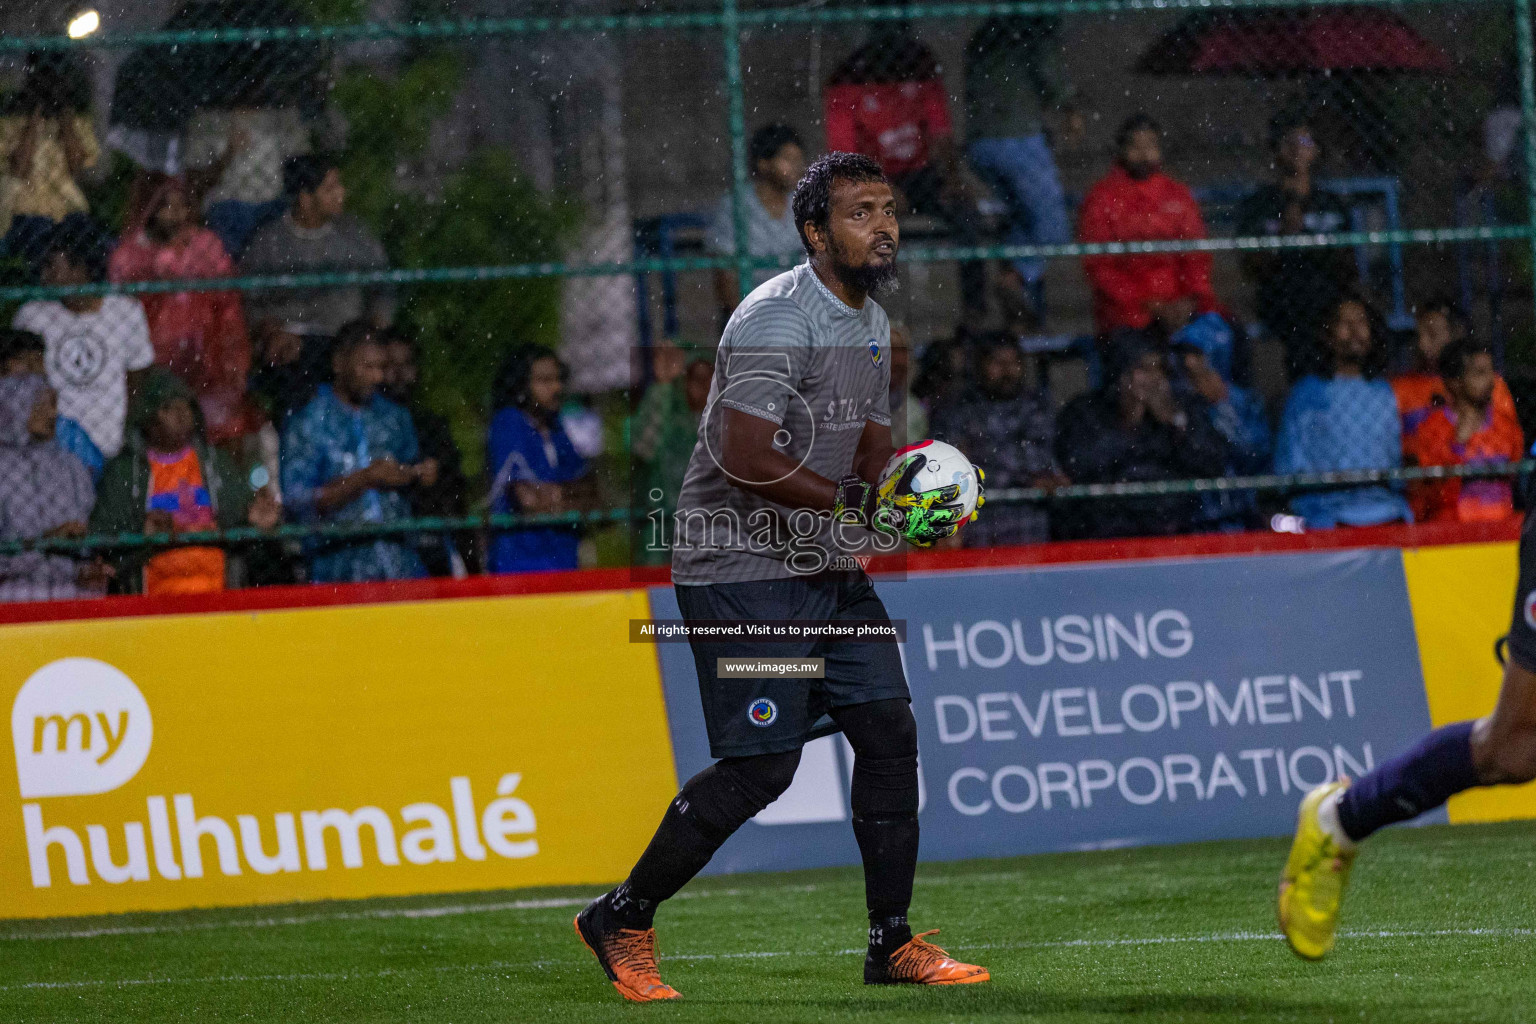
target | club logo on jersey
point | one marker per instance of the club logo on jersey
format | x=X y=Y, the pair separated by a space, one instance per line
x=763 y=712
x=874 y=351
x=1530 y=609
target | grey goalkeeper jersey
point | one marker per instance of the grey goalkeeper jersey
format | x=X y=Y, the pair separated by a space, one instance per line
x=792 y=353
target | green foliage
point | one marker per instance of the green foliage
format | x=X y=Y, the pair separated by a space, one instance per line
x=486 y=213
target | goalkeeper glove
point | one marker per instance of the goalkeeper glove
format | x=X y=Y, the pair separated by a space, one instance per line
x=921 y=518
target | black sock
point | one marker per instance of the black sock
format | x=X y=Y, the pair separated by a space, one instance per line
x=623 y=909
x=711 y=807
x=888 y=934
x=889 y=850
x=1435 y=770
x=679 y=850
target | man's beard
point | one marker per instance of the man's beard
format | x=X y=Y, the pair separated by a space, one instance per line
x=1141 y=170
x=870 y=278
x=1001 y=390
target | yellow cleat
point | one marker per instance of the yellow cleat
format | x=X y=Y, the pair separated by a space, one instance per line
x=1312 y=885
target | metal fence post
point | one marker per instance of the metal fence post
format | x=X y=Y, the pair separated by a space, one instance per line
x=1523 y=48
x=730 y=26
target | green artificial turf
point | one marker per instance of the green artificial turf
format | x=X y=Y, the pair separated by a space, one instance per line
x=1440 y=926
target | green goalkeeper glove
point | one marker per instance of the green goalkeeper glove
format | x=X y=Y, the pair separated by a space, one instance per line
x=892 y=507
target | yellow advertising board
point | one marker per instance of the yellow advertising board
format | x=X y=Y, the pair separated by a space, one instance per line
x=323 y=753
x=1462 y=595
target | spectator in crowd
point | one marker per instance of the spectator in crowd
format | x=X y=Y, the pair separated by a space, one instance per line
x=22 y=353
x=1503 y=134
x=1420 y=390
x=448 y=497
x=1014 y=81
x=287 y=367
x=776 y=157
x=93 y=343
x=351 y=456
x=887 y=101
x=45 y=142
x=1294 y=288
x=666 y=430
x=292 y=327
x=940 y=377
x=1204 y=351
x=235 y=165
x=169 y=480
x=1010 y=430
x=537 y=469
x=909 y=418
x=199 y=335
x=1465 y=430
x=44 y=493
x=1345 y=419
x=1135 y=429
x=1137 y=202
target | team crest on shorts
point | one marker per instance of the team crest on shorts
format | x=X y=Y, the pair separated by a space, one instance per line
x=874 y=351
x=1530 y=609
x=763 y=712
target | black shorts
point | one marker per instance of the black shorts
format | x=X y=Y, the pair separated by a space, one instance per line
x=772 y=715
x=1522 y=630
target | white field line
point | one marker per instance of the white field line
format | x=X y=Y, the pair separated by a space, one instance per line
x=494 y=966
x=380 y=914
x=414 y=913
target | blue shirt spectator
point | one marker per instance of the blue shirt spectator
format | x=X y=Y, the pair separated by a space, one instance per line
x=535 y=462
x=1345 y=421
x=348 y=456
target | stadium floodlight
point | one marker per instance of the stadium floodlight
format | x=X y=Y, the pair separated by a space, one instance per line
x=84 y=23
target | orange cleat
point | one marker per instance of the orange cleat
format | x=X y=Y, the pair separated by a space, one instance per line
x=922 y=963
x=628 y=957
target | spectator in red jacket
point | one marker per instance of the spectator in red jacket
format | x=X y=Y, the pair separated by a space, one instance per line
x=199 y=335
x=887 y=101
x=1137 y=202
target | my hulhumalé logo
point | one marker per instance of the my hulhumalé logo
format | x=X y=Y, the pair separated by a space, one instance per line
x=80 y=726
x=762 y=711
x=874 y=351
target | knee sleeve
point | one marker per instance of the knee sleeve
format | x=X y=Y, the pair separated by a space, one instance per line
x=882 y=729
x=884 y=739
x=884 y=787
x=728 y=793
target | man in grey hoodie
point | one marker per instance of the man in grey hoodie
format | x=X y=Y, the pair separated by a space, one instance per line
x=45 y=492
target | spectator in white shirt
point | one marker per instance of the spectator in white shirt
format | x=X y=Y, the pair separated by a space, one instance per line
x=93 y=343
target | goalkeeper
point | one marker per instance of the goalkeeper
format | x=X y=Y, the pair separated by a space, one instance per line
x=788 y=476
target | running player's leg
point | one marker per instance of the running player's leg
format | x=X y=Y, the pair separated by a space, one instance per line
x=1495 y=750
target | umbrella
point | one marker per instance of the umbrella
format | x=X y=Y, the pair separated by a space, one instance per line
x=1277 y=43
x=159 y=87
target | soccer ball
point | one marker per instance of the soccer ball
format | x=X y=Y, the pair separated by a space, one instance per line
x=943 y=465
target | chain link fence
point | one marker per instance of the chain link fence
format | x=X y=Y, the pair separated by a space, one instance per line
x=327 y=290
